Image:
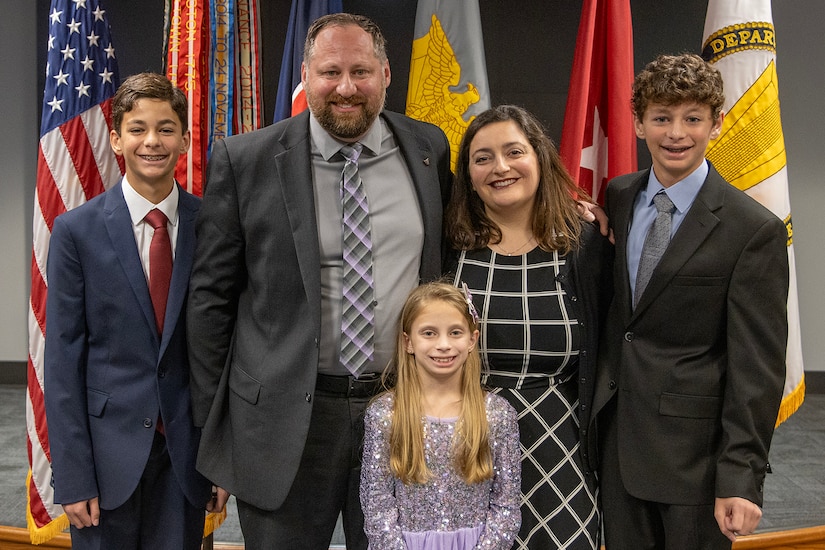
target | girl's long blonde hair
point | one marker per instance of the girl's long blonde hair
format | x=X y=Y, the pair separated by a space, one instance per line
x=471 y=446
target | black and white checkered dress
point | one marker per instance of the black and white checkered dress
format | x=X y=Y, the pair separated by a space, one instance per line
x=530 y=346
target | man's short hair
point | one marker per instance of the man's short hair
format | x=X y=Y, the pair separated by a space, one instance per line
x=379 y=44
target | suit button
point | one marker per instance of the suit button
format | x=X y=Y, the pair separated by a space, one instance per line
x=147 y=422
x=628 y=336
x=161 y=373
x=611 y=385
x=583 y=380
x=574 y=298
x=583 y=353
x=308 y=398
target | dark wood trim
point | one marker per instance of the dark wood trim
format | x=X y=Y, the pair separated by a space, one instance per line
x=809 y=538
x=16 y=538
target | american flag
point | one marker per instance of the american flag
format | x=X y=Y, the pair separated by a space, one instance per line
x=74 y=163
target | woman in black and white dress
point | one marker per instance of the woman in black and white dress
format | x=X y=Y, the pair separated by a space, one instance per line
x=540 y=279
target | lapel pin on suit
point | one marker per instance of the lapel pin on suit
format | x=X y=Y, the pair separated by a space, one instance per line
x=426 y=161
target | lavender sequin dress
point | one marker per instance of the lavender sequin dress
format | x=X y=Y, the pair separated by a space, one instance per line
x=445 y=513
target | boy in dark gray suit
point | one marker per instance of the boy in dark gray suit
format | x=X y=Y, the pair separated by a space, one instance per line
x=692 y=366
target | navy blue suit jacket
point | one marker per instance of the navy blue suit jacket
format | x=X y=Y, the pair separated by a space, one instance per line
x=108 y=375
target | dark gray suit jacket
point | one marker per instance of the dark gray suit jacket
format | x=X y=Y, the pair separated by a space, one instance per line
x=255 y=297
x=699 y=365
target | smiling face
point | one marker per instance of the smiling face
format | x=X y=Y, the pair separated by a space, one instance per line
x=344 y=81
x=150 y=139
x=504 y=169
x=440 y=339
x=677 y=137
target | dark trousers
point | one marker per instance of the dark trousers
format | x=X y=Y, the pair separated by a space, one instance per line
x=157 y=516
x=326 y=484
x=634 y=524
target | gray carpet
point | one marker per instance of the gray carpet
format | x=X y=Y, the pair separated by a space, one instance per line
x=794 y=494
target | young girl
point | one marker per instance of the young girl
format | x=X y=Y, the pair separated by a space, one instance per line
x=441 y=463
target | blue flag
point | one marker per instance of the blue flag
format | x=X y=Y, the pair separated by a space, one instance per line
x=291 y=99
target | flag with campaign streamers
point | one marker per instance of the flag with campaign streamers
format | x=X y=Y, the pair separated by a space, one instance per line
x=187 y=66
x=739 y=39
x=212 y=54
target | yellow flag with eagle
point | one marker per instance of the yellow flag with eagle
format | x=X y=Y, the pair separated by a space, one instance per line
x=448 y=72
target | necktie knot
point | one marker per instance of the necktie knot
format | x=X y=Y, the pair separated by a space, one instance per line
x=156 y=218
x=663 y=202
x=352 y=152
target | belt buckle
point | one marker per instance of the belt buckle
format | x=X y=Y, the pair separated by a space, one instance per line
x=356 y=384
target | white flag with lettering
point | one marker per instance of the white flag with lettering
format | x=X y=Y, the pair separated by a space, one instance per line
x=739 y=40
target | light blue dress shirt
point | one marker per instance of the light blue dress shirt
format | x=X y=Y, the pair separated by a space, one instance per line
x=681 y=193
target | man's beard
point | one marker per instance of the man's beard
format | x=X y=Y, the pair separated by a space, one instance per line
x=349 y=125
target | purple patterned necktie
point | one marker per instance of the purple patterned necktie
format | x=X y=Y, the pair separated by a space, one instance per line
x=357 y=315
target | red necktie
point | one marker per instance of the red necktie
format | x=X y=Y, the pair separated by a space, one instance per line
x=160 y=265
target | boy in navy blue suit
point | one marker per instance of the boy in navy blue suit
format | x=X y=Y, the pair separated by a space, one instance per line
x=122 y=440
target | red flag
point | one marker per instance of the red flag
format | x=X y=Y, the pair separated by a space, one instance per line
x=74 y=163
x=598 y=141
x=187 y=66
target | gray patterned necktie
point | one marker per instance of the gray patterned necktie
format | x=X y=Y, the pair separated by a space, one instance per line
x=357 y=314
x=656 y=242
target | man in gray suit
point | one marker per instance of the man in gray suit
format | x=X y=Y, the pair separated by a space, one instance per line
x=692 y=367
x=282 y=416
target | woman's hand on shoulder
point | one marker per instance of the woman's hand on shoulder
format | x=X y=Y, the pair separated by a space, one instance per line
x=593 y=213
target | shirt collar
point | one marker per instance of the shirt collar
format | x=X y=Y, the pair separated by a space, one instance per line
x=329 y=146
x=139 y=206
x=682 y=193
